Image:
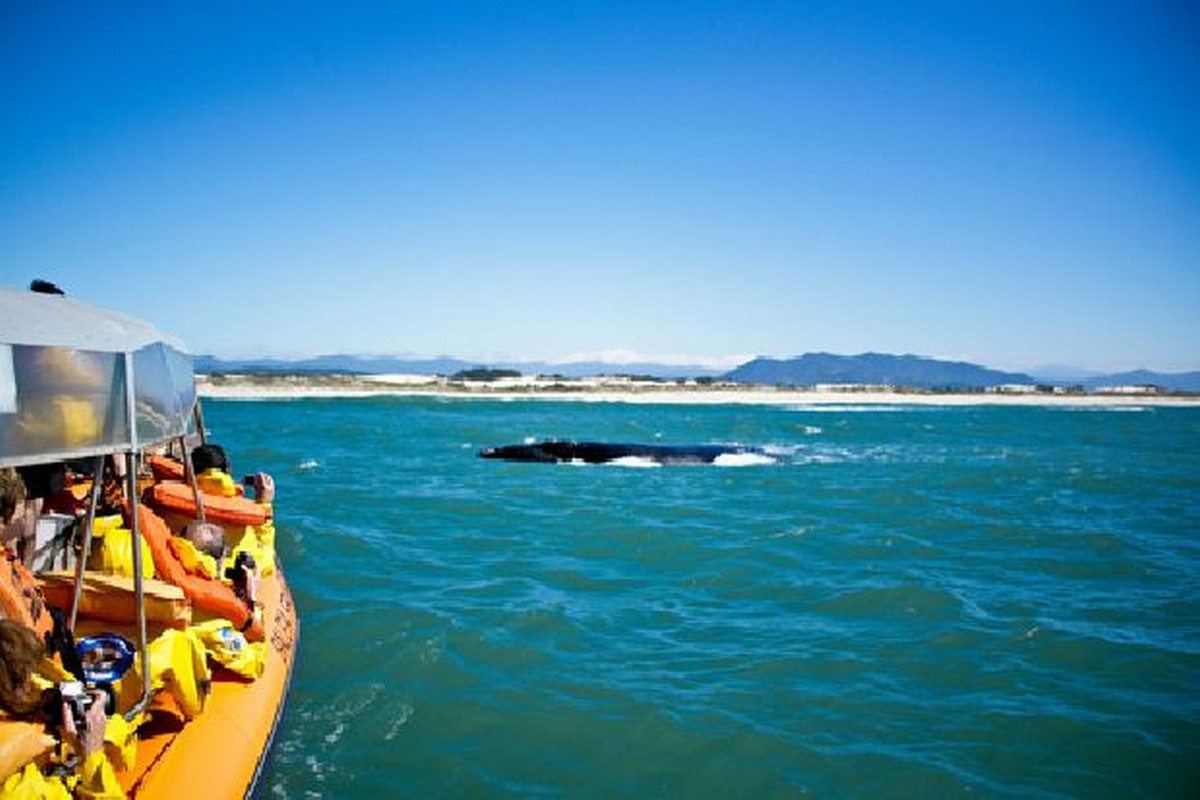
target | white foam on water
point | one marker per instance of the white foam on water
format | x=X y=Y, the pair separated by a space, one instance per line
x=743 y=460
x=308 y=463
x=860 y=408
x=637 y=462
x=398 y=722
x=833 y=457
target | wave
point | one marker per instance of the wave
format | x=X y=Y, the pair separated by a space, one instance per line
x=743 y=460
x=857 y=408
x=637 y=462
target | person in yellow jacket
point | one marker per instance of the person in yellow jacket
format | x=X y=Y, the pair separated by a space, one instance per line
x=213 y=475
x=81 y=766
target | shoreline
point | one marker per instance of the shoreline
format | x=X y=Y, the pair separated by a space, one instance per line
x=297 y=387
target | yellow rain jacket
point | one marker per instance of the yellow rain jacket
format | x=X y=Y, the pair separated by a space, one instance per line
x=230 y=649
x=112 y=549
x=95 y=778
x=178 y=665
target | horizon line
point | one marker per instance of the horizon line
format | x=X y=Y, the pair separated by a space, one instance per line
x=619 y=358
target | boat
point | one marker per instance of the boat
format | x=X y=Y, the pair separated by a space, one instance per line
x=86 y=386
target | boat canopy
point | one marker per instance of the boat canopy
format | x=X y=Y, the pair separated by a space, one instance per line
x=78 y=381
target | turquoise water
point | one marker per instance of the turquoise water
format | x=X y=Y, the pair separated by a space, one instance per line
x=910 y=602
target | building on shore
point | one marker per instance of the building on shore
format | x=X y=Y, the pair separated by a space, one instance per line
x=1131 y=389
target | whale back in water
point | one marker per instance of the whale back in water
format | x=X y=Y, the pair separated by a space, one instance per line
x=605 y=452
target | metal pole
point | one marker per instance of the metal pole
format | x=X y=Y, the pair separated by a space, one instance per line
x=97 y=485
x=136 y=537
x=198 y=414
x=190 y=475
x=138 y=589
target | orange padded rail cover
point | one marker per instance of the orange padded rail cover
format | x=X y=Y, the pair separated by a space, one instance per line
x=177 y=497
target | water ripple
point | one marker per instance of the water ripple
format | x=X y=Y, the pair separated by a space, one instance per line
x=911 y=602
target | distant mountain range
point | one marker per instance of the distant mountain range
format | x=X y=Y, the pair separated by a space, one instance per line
x=381 y=365
x=928 y=373
x=364 y=365
x=809 y=369
x=1173 y=381
x=874 y=368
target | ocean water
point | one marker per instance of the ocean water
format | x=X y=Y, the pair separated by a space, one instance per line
x=906 y=602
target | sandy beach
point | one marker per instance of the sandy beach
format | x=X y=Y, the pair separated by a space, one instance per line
x=261 y=387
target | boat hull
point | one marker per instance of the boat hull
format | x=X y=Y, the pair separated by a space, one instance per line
x=221 y=753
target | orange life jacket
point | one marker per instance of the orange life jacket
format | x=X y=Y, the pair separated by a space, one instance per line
x=165 y=468
x=21 y=597
x=209 y=594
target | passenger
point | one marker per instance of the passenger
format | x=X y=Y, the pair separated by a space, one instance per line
x=250 y=548
x=208 y=539
x=20 y=597
x=12 y=494
x=22 y=654
x=44 y=480
x=64 y=485
x=112 y=486
x=18 y=515
x=214 y=474
x=209 y=456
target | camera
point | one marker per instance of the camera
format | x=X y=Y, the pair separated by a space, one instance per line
x=237 y=574
x=243 y=559
x=78 y=699
x=248 y=480
x=98 y=661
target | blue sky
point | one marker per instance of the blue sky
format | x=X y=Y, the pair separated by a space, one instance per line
x=1012 y=183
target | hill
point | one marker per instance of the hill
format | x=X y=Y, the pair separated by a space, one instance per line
x=873 y=368
x=910 y=371
x=1172 y=382
x=378 y=365
x=342 y=364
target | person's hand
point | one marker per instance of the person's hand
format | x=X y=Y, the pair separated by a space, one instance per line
x=264 y=488
x=91 y=738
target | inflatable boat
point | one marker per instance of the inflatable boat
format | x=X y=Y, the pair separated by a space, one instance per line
x=106 y=406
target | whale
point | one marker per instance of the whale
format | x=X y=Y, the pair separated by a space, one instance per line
x=555 y=452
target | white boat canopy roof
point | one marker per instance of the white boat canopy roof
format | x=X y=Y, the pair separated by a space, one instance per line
x=76 y=380
x=49 y=320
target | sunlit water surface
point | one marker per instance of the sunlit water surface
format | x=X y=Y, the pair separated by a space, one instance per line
x=905 y=602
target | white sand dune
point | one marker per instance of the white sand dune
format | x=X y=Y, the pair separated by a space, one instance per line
x=305 y=386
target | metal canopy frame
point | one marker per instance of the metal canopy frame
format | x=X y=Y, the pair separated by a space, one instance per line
x=80 y=382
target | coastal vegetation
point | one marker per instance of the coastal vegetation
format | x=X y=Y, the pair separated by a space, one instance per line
x=266 y=384
x=903 y=372
x=484 y=374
